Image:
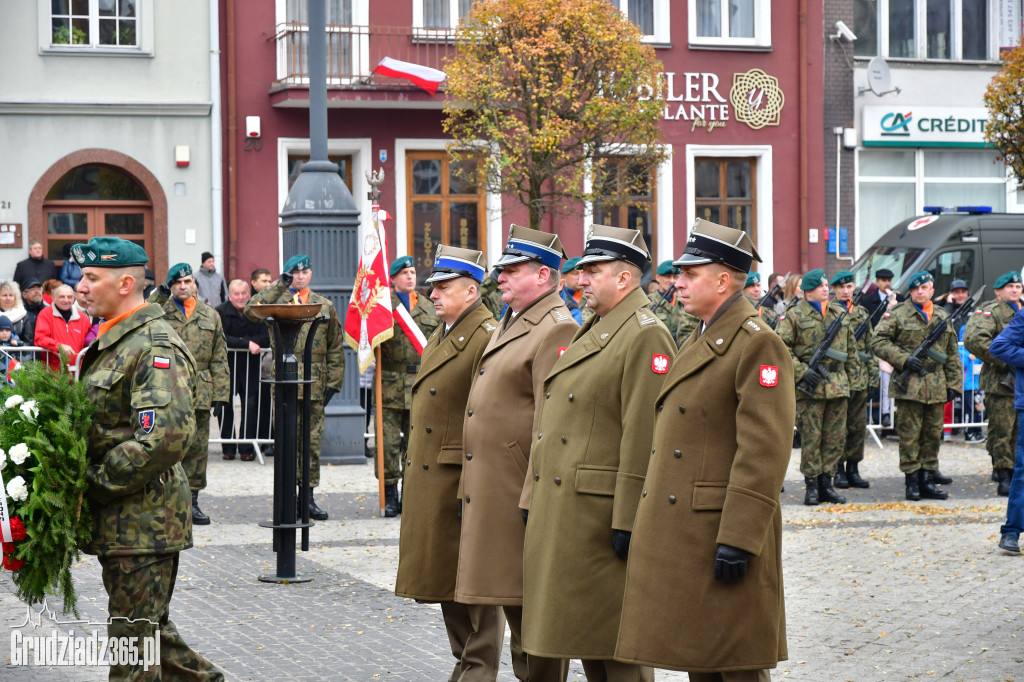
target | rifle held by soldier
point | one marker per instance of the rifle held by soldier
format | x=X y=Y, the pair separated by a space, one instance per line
x=925 y=347
x=807 y=385
x=665 y=297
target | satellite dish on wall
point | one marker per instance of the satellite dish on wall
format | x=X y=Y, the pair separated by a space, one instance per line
x=879 y=78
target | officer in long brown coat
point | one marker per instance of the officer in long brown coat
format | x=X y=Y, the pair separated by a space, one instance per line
x=588 y=466
x=500 y=429
x=429 y=546
x=704 y=581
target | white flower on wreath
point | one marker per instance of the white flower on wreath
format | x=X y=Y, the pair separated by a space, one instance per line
x=30 y=409
x=17 y=490
x=13 y=401
x=19 y=453
x=3 y=459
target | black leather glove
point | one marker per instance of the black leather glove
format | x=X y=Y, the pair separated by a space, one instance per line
x=220 y=405
x=730 y=563
x=822 y=372
x=286 y=278
x=329 y=393
x=458 y=509
x=914 y=365
x=951 y=395
x=811 y=380
x=526 y=515
x=620 y=543
x=164 y=291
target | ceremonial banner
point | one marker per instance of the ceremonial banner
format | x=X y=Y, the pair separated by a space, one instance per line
x=368 y=321
x=411 y=329
x=427 y=78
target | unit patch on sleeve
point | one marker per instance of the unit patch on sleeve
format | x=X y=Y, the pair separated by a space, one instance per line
x=769 y=376
x=659 y=363
x=161 y=363
x=147 y=419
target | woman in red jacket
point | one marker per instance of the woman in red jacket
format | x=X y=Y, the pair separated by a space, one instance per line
x=60 y=326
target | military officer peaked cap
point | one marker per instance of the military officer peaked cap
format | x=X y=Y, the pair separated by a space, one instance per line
x=813 y=279
x=401 y=263
x=108 y=252
x=451 y=262
x=178 y=271
x=752 y=279
x=298 y=262
x=525 y=244
x=606 y=243
x=841 y=277
x=1009 y=278
x=666 y=267
x=713 y=243
x=918 y=278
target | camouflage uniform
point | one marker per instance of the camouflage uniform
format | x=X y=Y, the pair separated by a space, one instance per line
x=138 y=493
x=821 y=419
x=862 y=375
x=399 y=363
x=919 y=405
x=997 y=381
x=767 y=314
x=667 y=310
x=327 y=371
x=490 y=296
x=203 y=334
x=687 y=323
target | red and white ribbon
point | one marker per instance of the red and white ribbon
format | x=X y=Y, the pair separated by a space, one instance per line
x=408 y=325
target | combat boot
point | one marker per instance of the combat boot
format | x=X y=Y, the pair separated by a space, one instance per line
x=854 y=477
x=811 y=496
x=391 y=500
x=840 y=480
x=1004 y=477
x=913 y=490
x=927 y=486
x=198 y=517
x=315 y=512
x=941 y=478
x=826 y=493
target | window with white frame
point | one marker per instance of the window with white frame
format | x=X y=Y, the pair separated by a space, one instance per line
x=94 y=24
x=651 y=16
x=439 y=14
x=347 y=40
x=730 y=23
x=926 y=29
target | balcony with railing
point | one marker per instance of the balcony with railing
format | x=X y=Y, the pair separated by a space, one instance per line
x=352 y=54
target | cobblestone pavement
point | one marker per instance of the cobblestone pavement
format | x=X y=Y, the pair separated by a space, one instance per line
x=878 y=589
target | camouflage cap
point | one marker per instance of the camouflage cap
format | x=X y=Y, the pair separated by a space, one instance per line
x=713 y=243
x=918 y=278
x=606 y=243
x=752 y=279
x=841 y=277
x=401 y=263
x=298 y=262
x=813 y=279
x=451 y=262
x=178 y=271
x=108 y=252
x=1009 y=278
x=666 y=267
x=525 y=244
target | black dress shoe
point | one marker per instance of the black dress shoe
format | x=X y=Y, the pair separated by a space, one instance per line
x=1009 y=544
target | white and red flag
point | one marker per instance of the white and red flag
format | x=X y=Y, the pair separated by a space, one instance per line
x=368 y=322
x=427 y=78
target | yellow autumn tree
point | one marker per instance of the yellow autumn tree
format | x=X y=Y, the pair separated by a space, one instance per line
x=554 y=94
x=1004 y=100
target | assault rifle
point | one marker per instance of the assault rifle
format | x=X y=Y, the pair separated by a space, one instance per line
x=874 y=317
x=776 y=288
x=925 y=347
x=821 y=352
x=665 y=297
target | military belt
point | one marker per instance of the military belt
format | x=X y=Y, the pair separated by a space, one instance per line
x=936 y=355
x=864 y=357
x=837 y=355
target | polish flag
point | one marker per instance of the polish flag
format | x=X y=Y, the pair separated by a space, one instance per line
x=424 y=76
x=368 y=321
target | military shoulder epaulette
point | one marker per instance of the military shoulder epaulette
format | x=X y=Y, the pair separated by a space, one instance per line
x=751 y=326
x=644 y=316
x=560 y=316
x=489 y=326
x=161 y=337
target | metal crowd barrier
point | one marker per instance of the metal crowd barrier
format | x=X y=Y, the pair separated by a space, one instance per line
x=251 y=401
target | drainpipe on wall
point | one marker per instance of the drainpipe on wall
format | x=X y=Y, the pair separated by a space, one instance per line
x=232 y=265
x=216 y=140
x=839 y=156
x=802 y=76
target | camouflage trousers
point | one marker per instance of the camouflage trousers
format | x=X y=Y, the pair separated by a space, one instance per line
x=195 y=459
x=822 y=427
x=316 y=435
x=139 y=589
x=1002 y=430
x=856 y=425
x=919 y=426
x=396 y=444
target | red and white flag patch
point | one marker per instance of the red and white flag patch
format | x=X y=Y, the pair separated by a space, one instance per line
x=769 y=376
x=161 y=363
x=659 y=363
x=562 y=349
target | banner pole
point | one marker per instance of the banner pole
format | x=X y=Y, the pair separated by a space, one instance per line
x=379 y=422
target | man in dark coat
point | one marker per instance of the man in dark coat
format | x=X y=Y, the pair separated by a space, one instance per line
x=35 y=267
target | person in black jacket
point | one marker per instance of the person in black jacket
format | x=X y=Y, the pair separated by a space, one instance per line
x=35 y=267
x=242 y=333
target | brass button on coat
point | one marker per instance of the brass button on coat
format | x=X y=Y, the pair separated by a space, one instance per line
x=469 y=455
x=536 y=477
x=481 y=370
x=671 y=499
x=471 y=413
x=426 y=466
x=558 y=481
x=428 y=429
x=677 y=453
x=682 y=410
x=433 y=391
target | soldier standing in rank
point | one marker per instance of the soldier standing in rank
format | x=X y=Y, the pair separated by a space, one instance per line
x=490 y=294
x=142 y=379
x=753 y=293
x=328 y=358
x=500 y=430
x=589 y=463
x=571 y=283
x=428 y=552
x=665 y=302
x=997 y=378
x=932 y=382
x=820 y=417
x=862 y=374
x=399 y=363
x=704 y=583
x=199 y=326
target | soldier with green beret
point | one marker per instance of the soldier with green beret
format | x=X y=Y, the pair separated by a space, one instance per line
x=820 y=417
x=933 y=381
x=997 y=378
x=142 y=380
x=862 y=375
x=199 y=326
x=570 y=281
x=664 y=302
x=328 y=357
x=399 y=364
x=752 y=290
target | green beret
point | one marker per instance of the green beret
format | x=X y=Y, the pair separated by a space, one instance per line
x=178 y=271
x=841 y=277
x=401 y=263
x=299 y=262
x=1011 y=277
x=918 y=278
x=570 y=265
x=813 y=279
x=752 y=279
x=108 y=252
x=666 y=267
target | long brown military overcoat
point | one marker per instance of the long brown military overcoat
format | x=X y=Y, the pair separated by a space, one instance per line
x=498 y=434
x=428 y=550
x=722 y=436
x=588 y=467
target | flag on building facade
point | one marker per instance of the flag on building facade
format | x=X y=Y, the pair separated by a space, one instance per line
x=427 y=78
x=368 y=321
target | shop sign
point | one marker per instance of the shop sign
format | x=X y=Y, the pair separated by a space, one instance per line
x=754 y=99
x=913 y=126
